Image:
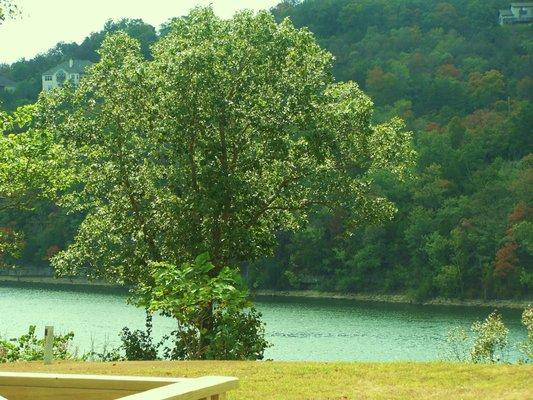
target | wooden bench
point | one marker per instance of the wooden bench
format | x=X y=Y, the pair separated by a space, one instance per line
x=30 y=386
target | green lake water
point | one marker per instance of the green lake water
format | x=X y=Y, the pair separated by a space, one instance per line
x=299 y=329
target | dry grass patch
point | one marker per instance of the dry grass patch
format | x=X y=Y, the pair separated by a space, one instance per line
x=314 y=380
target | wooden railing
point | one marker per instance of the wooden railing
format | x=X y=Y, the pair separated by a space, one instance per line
x=26 y=386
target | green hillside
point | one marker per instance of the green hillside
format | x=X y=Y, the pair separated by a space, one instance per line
x=462 y=83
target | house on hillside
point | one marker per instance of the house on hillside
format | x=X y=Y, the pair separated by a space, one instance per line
x=7 y=84
x=518 y=13
x=71 y=70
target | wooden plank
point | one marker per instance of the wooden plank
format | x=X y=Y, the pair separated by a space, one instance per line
x=107 y=382
x=58 y=393
x=23 y=386
x=194 y=389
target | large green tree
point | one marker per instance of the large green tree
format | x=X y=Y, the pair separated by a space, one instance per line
x=234 y=130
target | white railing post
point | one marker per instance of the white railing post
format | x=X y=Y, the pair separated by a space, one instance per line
x=48 y=344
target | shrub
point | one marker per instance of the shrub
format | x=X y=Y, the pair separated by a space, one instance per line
x=487 y=344
x=490 y=339
x=234 y=336
x=138 y=344
x=215 y=319
x=105 y=355
x=527 y=345
x=457 y=341
x=30 y=348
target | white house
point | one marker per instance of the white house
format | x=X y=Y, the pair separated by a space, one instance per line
x=71 y=70
x=7 y=84
x=517 y=13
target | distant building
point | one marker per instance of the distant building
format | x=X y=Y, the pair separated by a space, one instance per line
x=7 y=84
x=518 y=13
x=71 y=70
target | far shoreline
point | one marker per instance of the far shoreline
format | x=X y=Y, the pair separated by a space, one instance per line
x=71 y=283
x=80 y=283
x=394 y=298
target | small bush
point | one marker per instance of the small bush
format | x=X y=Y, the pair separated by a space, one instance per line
x=105 y=355
x=487 y=344
x=138 y=345
x=527 y=345
x=490 y=339
x=457 y=341
x=30 y=348
x=236 y=336
x=215 y=319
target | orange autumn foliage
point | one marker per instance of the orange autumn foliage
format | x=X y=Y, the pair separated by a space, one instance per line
x=433 y=127
x=519 y=213
x=506 y=260
x=449 y=70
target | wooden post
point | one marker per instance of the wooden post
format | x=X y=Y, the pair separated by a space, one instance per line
x=48 y=344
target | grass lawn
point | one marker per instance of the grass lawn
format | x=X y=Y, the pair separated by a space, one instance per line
x=314 y=380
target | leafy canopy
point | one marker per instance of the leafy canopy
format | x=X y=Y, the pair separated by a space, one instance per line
x=31 y=164
x=31 y=168
x=234 y=130
x=7 y=9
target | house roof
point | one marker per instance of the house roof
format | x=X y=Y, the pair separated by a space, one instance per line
x=506 y=13
x=78 y=67
x=522 y=4
x=6 y=82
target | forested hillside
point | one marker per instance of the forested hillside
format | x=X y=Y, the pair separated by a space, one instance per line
x=464 y=85
x=461 y=82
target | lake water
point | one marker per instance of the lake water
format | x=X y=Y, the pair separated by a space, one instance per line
x=299 y=329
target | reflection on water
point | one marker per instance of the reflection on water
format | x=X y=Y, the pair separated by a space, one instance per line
x=300 y=329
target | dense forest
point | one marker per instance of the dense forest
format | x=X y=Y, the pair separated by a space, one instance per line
x=464 y=86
